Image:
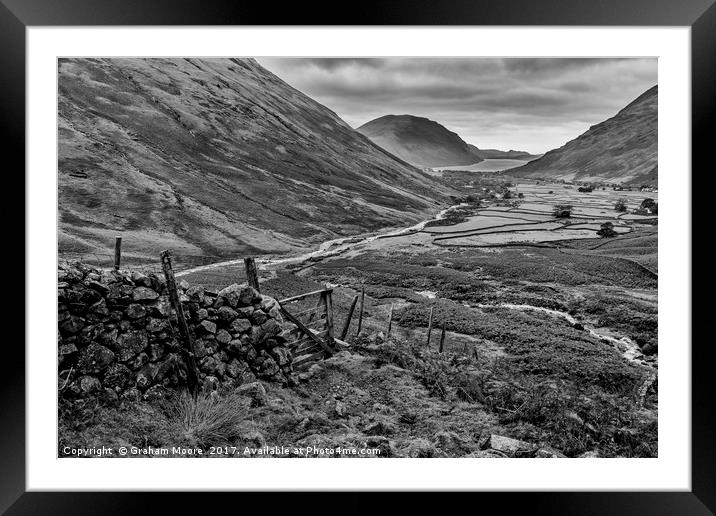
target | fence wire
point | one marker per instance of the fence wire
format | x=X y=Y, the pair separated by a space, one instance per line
x=213 y=278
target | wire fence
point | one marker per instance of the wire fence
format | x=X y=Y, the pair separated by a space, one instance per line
x=211 y=271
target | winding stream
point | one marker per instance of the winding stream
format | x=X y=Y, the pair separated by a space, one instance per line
x=326 y=249
x=629 y=349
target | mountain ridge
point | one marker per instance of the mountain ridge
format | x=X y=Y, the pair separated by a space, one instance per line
x=217 y=156
x=621 y=149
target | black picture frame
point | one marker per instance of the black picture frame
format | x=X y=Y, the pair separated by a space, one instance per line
x=17 y=15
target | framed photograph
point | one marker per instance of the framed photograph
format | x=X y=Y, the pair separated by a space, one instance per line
x=424 y=234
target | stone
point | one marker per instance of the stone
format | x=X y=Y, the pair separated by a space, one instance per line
x=139 y=361
x=226 y=314
x=258 y=317
x=94 y=358
x=339 y=408
x=549 y=453
x=156 y=351
x=208 y=364
x=210 y=384
x=171 y=370
x=135 y=311
x=421 y=448
x=131 y=394
x=240 y=326
x=155 y=325
x=248 y=296
x=160 y=308
x=72 y=325
x=156 y=392
x=201 y=314
x=450 y=443
x=271 y=328
x=97 y=286
x=236 y=346
x=223 y=337
x=131 y=343
x=183 y=284
x=589 y=455
x=146 y=376
x=67 y=349
x=229 y=295
x=510 y=446
x=195 y=293
x=255 y=391
x=245 y=312
x=144 y=294
x=100 y=307
x=208 y=326
x=281 y=355
x=269 y=367
x=234 y=368
x=117 y=376
x=90 y=384
x=267 y=303
x=141 y=279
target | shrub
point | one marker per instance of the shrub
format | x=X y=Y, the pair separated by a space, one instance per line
x=562 y=211
x=607 y=230
x=649 y=205
x=621 y=205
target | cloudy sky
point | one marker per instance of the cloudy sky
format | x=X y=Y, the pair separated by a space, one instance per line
x=533 y=104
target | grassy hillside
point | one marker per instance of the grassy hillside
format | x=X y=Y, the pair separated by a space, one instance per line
x=620 y=149
x=420 y=141
x=216 y=156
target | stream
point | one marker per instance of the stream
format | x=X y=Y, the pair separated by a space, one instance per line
x=629 y=349
x=326 y=249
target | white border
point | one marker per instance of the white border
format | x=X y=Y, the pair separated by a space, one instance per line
x=670 y=471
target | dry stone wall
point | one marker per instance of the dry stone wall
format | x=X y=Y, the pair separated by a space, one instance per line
x=118 y=335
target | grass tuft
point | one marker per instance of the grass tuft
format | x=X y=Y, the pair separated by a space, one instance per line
x=208 y=419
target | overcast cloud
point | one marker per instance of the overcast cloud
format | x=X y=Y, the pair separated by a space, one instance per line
x=533 y=104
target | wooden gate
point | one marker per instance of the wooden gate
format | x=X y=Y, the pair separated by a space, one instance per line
x=312 y=313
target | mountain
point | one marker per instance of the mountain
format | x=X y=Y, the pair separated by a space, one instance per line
x=419 y=141
x=622 y=149
x=499 y=154
x=216 y=157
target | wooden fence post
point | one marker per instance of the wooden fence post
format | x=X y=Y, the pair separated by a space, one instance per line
x=117 y=252
x=192 y=370
x=252 y=275
x=360 y=312
x=347 y=324
x=442 y=338
x=390 y=322
x=430 y=325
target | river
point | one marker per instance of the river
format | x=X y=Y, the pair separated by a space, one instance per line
x=326 y=249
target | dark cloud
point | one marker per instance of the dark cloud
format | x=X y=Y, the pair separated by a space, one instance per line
x=531 y=104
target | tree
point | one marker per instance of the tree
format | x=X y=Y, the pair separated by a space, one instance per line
x=621 y=205
x=607 y=230
x=562 y=211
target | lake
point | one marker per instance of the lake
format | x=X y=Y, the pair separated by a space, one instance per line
x=489 y=165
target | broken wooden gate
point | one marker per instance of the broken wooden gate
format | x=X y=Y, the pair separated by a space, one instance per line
x=312 y=313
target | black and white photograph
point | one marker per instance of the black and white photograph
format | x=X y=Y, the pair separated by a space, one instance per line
x=357 y=257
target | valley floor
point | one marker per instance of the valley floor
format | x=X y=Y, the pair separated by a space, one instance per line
x=554 y=345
